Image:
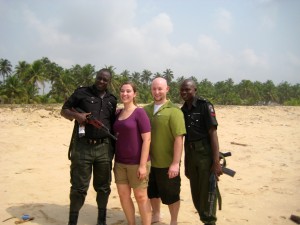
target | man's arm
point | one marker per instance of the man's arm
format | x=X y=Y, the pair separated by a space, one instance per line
x=175 y=166
x=216 y=166
x=70 y=115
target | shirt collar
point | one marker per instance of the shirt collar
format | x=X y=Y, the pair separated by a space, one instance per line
x=194 y=103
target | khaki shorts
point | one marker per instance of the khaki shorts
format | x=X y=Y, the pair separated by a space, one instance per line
x=127 y=174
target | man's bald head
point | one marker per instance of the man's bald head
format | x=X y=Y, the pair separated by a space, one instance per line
x=159 y=90
x=161 y=81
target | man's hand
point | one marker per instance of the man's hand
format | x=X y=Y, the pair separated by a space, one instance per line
x=82 y=117
x=173 y=170
x=216 y=168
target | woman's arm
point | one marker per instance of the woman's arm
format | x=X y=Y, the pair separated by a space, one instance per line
x=142 y=171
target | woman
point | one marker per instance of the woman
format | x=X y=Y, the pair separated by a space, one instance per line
x=132 y=162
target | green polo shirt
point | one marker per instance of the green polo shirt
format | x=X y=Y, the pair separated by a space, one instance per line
x=166 y=124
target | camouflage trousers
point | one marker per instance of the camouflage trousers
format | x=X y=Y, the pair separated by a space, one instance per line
x=87 y=159
x=198 y=161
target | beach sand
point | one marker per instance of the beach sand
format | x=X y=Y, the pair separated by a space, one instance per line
x=264 y=142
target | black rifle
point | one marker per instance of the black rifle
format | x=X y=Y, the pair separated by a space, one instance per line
x=295 y=218
x=96 y=123
x=213 y=186
x=226 y=170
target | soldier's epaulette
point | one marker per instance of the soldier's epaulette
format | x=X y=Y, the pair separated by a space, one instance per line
x=202 y=99
x=80 y=88
x=109 y=95
x=114 y=97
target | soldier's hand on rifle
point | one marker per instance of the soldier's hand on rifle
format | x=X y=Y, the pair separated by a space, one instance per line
x=216 y=169
x=82 y=117
x=79 y=116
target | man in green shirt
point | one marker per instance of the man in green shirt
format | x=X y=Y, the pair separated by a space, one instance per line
x=167 y=131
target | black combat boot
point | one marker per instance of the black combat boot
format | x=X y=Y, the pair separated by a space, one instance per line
x=101 y=217
x=73 y=217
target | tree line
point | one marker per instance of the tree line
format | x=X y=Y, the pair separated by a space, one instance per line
x=25 y=84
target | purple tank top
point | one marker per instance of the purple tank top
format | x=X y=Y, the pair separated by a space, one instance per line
x=128 y=132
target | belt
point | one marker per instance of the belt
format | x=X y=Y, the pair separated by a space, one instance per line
x=192 y=143
x=199 y=140
x=93 y=141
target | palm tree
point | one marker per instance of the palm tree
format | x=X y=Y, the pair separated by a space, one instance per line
x=115 y=81
x=136 y=76
x=180 y=79
x=51 y=70
x=295 y=91
x=248 y=92
x=194 y=79
x=87 y=74
x=168 y=75
x=269 y=92
x=146 y=76
x=82 y=76
x=284 y=92
x=206 y=89
x=173 y=93
x=125 y=75
x=13 y=91
x=5 y=68
x=63 y=86
x=32 y=92
x=21 y=71
x=295 y=95
x=157 y=74
x=225 y=93
x=36 y=74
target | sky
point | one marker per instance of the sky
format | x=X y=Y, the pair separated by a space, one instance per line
x=256 y=40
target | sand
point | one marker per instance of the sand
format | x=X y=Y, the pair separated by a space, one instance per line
x=265 y=147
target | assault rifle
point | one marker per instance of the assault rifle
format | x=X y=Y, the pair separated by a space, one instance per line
x=213 y=186
x=226 y=170
x=96 y=123
x=295 y=218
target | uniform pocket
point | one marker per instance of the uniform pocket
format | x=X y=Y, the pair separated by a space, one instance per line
x=196 y=119
x=92 y=104
x=202 y=148
x=202 y=155
x=92 y=100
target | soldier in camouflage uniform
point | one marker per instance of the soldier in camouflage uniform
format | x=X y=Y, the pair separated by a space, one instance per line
x=92 y=153
x=201 y=148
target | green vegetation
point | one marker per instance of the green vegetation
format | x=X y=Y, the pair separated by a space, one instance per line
x=26 y=82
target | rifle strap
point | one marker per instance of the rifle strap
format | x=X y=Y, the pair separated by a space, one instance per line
x=219 y=197
x=73 y=140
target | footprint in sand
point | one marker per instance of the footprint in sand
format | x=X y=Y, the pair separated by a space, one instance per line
x=119 y=222
x=28 y=170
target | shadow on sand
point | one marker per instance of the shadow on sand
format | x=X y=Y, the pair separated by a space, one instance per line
x=53 y=214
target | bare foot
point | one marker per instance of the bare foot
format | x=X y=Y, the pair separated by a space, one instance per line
x=155 y=218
